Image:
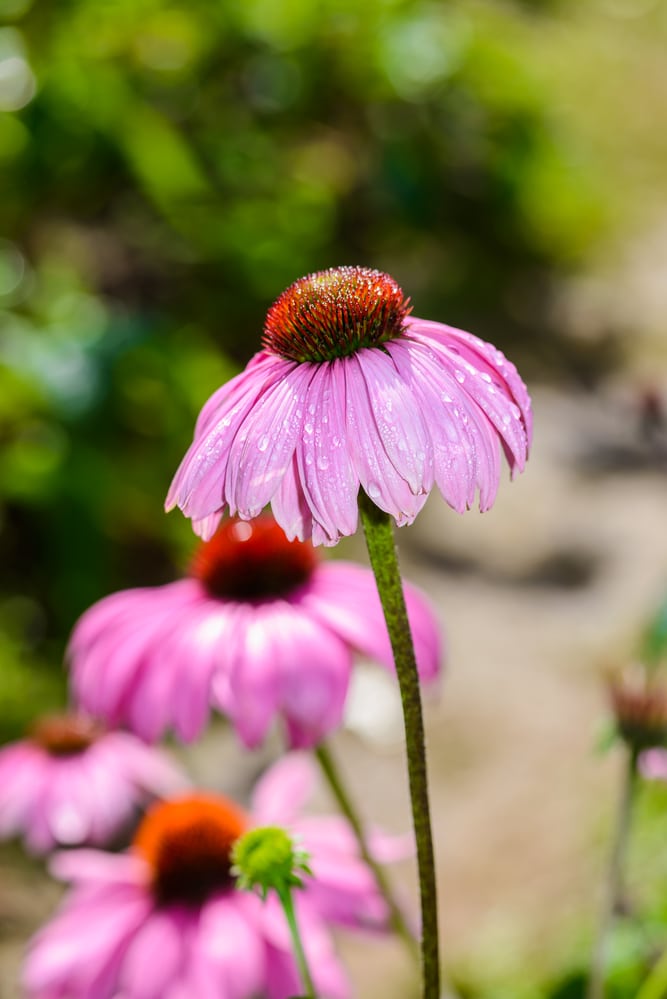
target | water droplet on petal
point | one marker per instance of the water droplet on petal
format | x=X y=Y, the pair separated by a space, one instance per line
x=460 y=377
x=263 y=442
x=323 y=462
x=373 y=490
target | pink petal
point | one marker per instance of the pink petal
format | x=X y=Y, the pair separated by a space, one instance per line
x=253 y=653
x=484 y=383
x=290 y=506
x=328 y=480
x=283 y=790
x=263 y=447
x=198 y=484
x=155 y=955
x=377 y=473
x=344 y=597
x=231 y=945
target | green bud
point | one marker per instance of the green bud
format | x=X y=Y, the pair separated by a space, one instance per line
x=267 y=858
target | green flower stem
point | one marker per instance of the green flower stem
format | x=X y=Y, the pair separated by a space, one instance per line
x=613 y=889
x=655 y=986
x=396 y=918
x=384 y=561
x=287 y=902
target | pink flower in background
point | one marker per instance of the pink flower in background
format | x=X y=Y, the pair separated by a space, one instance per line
x=69 y=782
x=262 y=629
x=348 y=391
x=653 y=764
x=165 y=921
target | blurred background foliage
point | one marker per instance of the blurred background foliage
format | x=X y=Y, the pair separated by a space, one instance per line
x=168 y=169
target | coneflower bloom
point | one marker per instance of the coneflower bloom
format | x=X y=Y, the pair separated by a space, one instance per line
x=261 y=629
x=352 y=391
x=71 y=782
x=165 y=920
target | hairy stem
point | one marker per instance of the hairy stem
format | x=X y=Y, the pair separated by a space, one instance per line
x=613 y=888
x=396 y=918
x=384 y=561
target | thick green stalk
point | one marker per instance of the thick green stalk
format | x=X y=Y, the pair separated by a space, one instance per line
x=287 y=903
x=384 y=561
x=396 y=917
x=613 y=888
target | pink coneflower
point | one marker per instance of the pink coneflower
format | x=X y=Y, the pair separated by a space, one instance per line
x=348 y=391
x=262 y=629
x=70 y=782
x=165 y=921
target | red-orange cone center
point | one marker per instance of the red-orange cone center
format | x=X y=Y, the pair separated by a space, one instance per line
x=187 y=844
x=252 y=560
x=334 y=313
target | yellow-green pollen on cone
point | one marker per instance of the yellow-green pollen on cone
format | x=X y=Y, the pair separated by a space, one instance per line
x=334 y=313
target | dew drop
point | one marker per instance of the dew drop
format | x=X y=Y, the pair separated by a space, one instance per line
x=373 y=490
x=323 y=462
x=308 y=428
x=460 y=377
x=263 y=443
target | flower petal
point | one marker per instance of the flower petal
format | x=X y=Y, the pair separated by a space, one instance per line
x=282 y=791
x=262 y=449
x=197 y=487
x=327 y=477
x=344 y=597
x=377 y=473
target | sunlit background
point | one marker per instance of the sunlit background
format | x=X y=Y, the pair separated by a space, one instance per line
x=166 y=170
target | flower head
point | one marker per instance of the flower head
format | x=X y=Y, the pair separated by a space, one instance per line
x=71 y=782
x=639 y=705
x=166 y=919
x=268 y=859
x=350 y=391
x=262 y=629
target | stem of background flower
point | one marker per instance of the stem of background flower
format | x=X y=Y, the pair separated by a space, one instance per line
x=655 y=986
x=396 y=917
x=613 y=888
x=287 y=903
x=384 y=561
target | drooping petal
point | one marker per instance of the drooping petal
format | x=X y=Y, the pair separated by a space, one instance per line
x=315 y=669
x=486 y=384
x=485 y=357
x=254 y=665
x=229 y=944
x=453 y=438
x=377 y=473
x=328 y=480
x=197 y=485
x=262 y=449
x=344 y=597
x=290 y=506
x=156 y=955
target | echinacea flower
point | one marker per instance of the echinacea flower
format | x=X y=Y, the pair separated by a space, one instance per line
x=261 y=629
x=71 y=782
x=165 y=920
x=351 y=391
